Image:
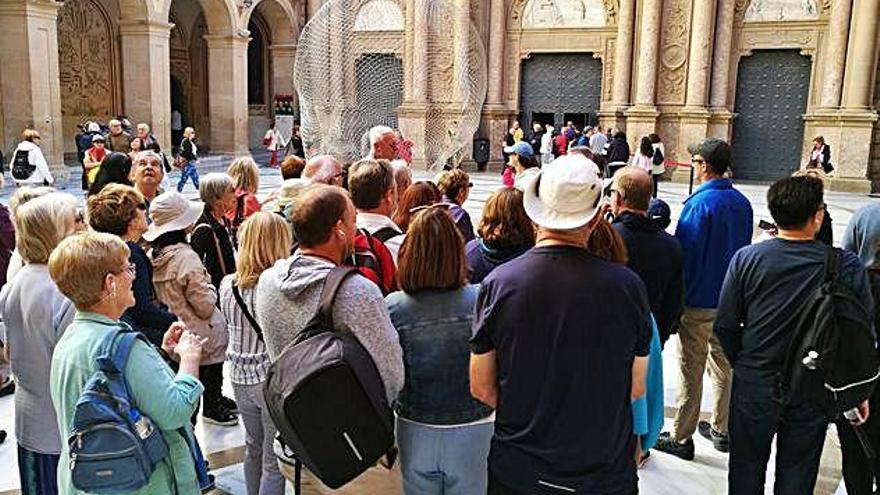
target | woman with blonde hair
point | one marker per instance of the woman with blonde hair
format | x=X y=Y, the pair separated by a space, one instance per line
x=443 y=433
x=93 y=271
x=246 y=176
x=36 y=314
x=263 y=239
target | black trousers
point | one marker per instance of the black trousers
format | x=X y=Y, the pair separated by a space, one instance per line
x=496 y=487
x=211 y=376
x=756 y=416
x=858 y=474
x=656 y=178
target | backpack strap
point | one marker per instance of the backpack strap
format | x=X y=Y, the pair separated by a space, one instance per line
x=216 y=245
x=386 y=233
x=832 y=264
x=244 y=309
x=331 y=286
x=112 y=359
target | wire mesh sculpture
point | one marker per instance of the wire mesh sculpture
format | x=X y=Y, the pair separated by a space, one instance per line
x=356 y=68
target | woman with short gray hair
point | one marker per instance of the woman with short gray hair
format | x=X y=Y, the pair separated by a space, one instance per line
x=212 y=241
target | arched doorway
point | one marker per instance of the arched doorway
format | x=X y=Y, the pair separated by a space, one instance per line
x=558 y=88
x=188 y=58
x=88 y=65
x=260 y=93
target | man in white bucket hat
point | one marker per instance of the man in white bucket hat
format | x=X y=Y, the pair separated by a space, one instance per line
x=559 y=336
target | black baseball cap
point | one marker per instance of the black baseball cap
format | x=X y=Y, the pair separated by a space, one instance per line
x=715 y=151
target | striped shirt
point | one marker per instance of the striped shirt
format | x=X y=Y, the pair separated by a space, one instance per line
x=246 y=352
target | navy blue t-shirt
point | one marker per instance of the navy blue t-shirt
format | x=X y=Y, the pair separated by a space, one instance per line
x=765 y=287
x=566 y=327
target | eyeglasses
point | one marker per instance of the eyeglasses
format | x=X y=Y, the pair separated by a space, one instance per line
x=131 y=268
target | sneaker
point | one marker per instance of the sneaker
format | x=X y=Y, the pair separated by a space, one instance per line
x=719 y=440
x=220 y=417
x=665 y=443
x=229 y=404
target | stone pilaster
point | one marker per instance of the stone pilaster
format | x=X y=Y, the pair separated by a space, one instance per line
x=700 y=57
x=227 y=84
x=146 y=87
x=283 y=58
x=623 y=55
x=834 y=58
x=312 y=7
x=30 y=90
x=721 y=117
x=861 y=55
x=641 y=119
x=496 y=51
x=461 y=52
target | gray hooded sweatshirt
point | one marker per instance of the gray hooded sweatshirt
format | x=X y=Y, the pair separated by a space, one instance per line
x=287 y=299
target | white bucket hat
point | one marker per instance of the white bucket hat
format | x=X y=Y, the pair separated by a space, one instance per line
x=171 y=211
x=565 y=194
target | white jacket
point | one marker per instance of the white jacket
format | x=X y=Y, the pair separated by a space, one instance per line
x=35 y=157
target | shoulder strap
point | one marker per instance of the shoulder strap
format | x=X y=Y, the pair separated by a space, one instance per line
x=331 y=286
x=832 y=264
x=385 y=234
x=244 y=309
x=216 y=246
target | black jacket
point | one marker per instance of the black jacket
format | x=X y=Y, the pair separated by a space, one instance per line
x=657 y=258
x=206 y=236
x=618 y=151
x=186 y=150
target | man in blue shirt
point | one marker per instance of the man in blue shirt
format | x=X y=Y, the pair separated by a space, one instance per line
x=716 y=221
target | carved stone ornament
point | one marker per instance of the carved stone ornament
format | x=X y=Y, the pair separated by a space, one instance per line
x=379 y=15
x=608 y=70
x=542 y=14
x=85 y=61
x=674 y=52
x=781 y=10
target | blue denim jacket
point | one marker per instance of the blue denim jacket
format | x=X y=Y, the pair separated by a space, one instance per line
x=435 y=330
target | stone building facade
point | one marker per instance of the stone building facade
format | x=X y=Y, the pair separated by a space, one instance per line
x=769 y=75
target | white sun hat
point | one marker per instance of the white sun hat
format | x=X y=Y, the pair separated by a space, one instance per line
x=566 y=193
x=171 y=211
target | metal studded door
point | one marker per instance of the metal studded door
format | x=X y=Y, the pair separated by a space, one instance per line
x=559 y=84
x=771 y=100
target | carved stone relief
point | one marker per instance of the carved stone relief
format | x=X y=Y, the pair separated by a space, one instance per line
x=608 y=70
x=379 y=15
x=564 y=14
x=674 y=41
x=86 y=62
x=781 y=10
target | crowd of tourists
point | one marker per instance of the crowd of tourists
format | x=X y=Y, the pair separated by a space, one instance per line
x=520 y=356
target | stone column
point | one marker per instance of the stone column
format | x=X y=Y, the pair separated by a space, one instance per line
x=623 y=54
x=719 y=122
x=29 y=89
x=649 y=51
x=834 y=58
x=700 y=57
x=861 y=55
x=420 y=52
x=146 y=84
x=498 y=26
x=641 y=119
x=312 y=7
x=461 y=43
x=227 y=86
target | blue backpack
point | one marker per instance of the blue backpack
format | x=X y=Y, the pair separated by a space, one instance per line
x=113 y=448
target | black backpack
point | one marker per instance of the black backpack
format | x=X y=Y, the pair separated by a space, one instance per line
x=658 y=157
x=832 y=358
x=326 y=397
x=22 y=169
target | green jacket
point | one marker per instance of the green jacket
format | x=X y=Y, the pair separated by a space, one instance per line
x=167 y=399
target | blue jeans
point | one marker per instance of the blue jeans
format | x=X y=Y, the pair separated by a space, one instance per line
x=444 y=461
x=189 y=172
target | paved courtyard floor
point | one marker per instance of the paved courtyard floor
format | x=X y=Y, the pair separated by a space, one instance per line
x=664 y=474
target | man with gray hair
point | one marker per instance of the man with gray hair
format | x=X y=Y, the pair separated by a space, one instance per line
x=324 y=169
x=118 y=140
x=383 y=143
x=148 y=140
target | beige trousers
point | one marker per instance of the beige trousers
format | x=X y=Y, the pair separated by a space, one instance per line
x=698 y=346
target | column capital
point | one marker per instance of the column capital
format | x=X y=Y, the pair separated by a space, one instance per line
x=45 y=9
x=281 y=48
x=145 y=26
x=237 y=40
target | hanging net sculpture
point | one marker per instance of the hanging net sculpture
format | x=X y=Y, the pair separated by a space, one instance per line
x=356 y=68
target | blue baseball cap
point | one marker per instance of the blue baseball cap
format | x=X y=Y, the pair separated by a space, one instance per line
x=521 y=148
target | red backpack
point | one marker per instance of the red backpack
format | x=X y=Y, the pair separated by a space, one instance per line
x=373 y=259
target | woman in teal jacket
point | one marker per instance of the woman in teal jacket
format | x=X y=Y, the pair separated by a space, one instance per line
x=92 y=270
